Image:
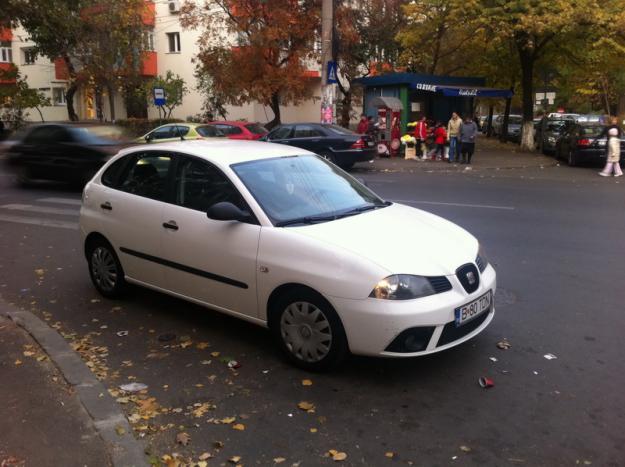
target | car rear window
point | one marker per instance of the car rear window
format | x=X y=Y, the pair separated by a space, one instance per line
x=256 y=128
x=208 y=131
x=590 y=130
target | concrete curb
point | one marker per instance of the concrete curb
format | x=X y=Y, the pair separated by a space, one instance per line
x=125 y=450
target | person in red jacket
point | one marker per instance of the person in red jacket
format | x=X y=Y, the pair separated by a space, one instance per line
x=440 y=137
x=421 y=135
x=363 y=124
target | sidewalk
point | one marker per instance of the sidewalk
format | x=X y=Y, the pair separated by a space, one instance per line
x=490 y=154
x=42 y=422
x=54 y=411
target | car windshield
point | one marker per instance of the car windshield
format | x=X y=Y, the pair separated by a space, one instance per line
x=339 y=130
x=515 y=120
x=304 y=190
x=256 y=128
x=556 y=126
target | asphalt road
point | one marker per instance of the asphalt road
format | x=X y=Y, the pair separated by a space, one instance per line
x=557 y=238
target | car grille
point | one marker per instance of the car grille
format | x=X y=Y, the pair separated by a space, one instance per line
x=452 y=333
x=440 y=284
x=468 y=277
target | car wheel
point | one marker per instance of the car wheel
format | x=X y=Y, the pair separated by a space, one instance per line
x=308 y=330
x=105 y=269
x=572 y=161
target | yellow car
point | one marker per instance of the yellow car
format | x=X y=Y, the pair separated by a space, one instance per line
x=180 y=131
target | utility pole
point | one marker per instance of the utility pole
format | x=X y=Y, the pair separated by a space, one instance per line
x=327 y=89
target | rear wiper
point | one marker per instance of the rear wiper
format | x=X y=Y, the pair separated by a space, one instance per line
x=306 y=220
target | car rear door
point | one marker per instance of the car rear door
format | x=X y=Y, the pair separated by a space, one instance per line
x=130 y=214
x=208 y=260
x=310 y=138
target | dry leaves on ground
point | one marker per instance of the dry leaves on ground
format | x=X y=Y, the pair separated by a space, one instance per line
x=306 y=406
x=183 y=438
x=337 y=455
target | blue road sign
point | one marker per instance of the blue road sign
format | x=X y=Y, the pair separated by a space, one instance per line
x=159 y=96
x=332 y=72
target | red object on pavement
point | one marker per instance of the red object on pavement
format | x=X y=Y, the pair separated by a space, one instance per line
x=486 y=382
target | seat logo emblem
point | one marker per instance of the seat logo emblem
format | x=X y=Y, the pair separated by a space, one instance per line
x=471 y=277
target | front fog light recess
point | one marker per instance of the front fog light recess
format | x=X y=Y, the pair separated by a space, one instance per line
x=402 y=287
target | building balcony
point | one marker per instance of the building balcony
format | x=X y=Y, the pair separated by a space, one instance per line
x=149 y=14
x=6 y=34
x=149 y=66
x=7 y=67
x=60 y=69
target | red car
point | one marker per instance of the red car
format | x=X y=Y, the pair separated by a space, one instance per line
x=240 y=130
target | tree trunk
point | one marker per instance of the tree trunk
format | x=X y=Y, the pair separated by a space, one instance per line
x=346 y=108
x=527 y=82
x=489 y=122
x=275 y=108
x=98 y=104
x=503 y=137
x=111 y=102
x=40 y=114
x=71 y=90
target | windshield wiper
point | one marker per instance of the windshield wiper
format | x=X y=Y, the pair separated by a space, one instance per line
x=306 y=220
x=367 y=207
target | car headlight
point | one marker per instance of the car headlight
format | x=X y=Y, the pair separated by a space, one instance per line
x=402 y=287
x=551 y=139
x=481 y=259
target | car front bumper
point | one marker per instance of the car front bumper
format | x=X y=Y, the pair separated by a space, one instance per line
x=371 y=325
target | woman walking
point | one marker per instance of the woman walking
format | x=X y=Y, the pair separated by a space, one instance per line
x=614 y=154
x=468 y=130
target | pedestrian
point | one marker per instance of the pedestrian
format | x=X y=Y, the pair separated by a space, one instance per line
x=440 y=137
x=468 y=131
x=421 y=135
x=363 y=124
x=453 y=132
x=371 y=129
x=613 y=133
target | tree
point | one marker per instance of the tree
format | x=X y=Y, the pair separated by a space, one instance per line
x=174 y=87
x=214 y=104
x=18 y=97
x=256 y=51
x=364 y=42
x=533 y=26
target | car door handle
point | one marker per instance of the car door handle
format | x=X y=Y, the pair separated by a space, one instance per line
x=106 y=206
x=171 y=225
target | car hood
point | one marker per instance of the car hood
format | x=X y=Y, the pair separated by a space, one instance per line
x=400 y=239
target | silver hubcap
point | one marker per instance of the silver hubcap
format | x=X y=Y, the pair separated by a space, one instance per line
x=104 y=269
x=306 y=331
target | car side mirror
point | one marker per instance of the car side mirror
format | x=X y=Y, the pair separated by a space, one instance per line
x=226 y=211
x=148 y=137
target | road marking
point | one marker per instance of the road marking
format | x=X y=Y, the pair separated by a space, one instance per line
x=484 y=206
x=37 y=221
x=42 y=209
x=75 y=202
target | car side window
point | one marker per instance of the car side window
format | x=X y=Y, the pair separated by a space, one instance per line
x=199 y=185
x=111 y=175
x=180 y=130
x=280 y=133
x=162 y=133
x=209 y=131
x=147 y=176
x=306 y=131
x=39 y=135
x=234 y=130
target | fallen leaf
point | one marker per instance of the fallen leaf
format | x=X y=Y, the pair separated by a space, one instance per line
x=238 y=426
x=234 y=459
x=39 y=272
x=313 y=430
x=279 y=460
x=202 y=464
x=337 y=455
x=205 y=456
x=227 y=420
x=465 y=448
x=120 y=430
x=183 y=438
x=186 y=344
x=307 y=406
x=28 y=353
x=134 y=418
x=206 y=362
x=390 y=454
x=95 y=300
x=18 y=362
x=218 y=444
x=202 y=345
x=215 y=354
x=503 y=344
x=306 y=382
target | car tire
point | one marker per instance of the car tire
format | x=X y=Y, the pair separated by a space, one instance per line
x=105 y=270
x=308 y=330
x=571 y=159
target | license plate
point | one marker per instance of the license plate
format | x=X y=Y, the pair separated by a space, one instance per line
x=473 y=309
x=369 y=143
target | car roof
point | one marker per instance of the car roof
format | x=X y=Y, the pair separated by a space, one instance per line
x=224 y=152
x=231 y=122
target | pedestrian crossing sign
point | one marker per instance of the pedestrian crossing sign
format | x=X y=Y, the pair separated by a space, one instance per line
x=332 y=72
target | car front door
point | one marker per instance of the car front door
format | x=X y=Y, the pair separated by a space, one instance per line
x=163 y=134
x=281 y=135
x=131 y=210
x=209 y=260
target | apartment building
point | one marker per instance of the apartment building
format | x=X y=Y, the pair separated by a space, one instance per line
x=172 y=48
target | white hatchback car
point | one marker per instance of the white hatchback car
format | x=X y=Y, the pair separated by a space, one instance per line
x=282 y=238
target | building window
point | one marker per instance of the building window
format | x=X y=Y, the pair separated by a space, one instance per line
x=29 y=56
x=149 y=41
x=58 y=96
x=174 y=42
x=6 y=54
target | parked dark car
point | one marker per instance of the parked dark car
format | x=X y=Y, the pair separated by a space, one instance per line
x=579 y=144
x=549 y=131
x=335 y=143
x=62 y=152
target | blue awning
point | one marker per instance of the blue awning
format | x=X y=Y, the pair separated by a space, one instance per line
x=465 y=91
